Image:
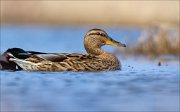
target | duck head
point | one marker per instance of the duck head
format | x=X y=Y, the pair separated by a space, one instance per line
x=96 y=38
x=5 y=64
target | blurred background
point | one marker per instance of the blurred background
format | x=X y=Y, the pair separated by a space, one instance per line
x=90 y=12
x=152 y=26
x=148 y=81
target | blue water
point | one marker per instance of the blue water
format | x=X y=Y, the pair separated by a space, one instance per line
x=141 y=85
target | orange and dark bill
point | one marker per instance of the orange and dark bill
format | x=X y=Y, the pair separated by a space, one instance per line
x=114 y=43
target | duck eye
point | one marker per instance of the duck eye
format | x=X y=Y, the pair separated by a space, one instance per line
x=103 y=35
x=98 y=33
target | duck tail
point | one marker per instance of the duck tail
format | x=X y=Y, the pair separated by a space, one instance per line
x=23 y=64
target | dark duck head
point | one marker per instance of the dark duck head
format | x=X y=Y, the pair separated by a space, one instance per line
x=5 y=64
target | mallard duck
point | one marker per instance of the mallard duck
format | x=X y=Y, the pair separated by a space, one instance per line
x=96 y=59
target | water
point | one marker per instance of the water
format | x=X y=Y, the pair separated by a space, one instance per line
x=141 y=85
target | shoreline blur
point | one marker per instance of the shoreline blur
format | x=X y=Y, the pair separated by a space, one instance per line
x=157 y=40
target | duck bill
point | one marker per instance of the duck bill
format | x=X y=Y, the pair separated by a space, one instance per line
x=115 y=43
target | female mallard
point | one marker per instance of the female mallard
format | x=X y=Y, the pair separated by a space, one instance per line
x=96 y=59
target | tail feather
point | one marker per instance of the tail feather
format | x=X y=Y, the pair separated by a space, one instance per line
x=25 y=65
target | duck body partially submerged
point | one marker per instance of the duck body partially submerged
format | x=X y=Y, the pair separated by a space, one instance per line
x=96 y=59
x=66 y=62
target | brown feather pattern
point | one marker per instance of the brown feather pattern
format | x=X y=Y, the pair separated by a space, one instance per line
x=95 y=60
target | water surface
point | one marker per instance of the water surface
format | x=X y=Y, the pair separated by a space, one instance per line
x=141 y=85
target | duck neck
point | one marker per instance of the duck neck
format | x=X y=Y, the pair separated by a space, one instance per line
x=94 y=49
x=93 y=46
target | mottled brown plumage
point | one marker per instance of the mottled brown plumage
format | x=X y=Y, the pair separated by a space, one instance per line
x=95 y=60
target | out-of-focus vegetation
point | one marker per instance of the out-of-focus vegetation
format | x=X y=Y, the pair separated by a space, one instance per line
x=157 y=40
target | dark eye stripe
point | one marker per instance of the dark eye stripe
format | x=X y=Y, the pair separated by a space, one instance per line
x=97 y=34
x=103 y=35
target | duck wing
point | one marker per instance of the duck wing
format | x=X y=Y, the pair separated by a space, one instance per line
x=60 y=57
x=54 y=57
